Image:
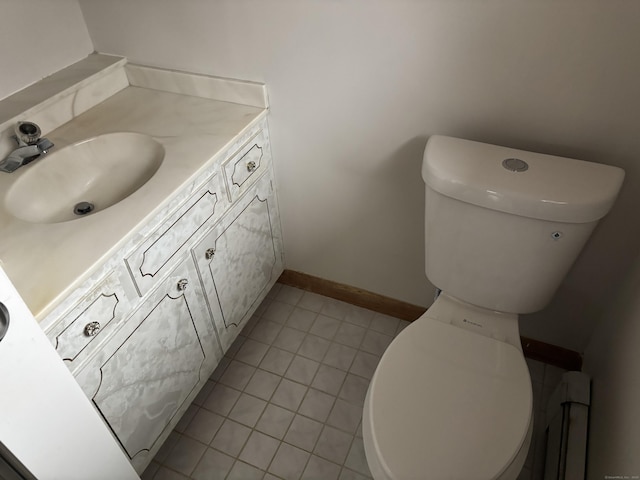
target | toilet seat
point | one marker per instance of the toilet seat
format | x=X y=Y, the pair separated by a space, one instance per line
x=465 y=411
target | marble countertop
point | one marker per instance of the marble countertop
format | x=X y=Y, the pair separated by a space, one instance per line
x=46 y=261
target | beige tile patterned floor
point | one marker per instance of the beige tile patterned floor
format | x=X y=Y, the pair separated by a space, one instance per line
x=286 y=400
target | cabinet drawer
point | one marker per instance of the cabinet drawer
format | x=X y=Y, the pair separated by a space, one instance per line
x=154 y=256
x=91 y=321
x=242 y=169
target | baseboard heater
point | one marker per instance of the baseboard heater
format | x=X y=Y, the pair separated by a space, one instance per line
x=566 y=428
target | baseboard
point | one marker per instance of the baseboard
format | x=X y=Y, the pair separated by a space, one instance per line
x=352 y=295
x=533 y=349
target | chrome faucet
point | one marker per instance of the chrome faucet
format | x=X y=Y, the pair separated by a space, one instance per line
x=30 y=147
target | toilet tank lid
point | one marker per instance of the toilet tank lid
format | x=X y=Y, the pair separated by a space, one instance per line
x=550 y=188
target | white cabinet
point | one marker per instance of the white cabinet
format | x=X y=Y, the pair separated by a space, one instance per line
x=240 y=259
x=153 y=367
x=147 y=334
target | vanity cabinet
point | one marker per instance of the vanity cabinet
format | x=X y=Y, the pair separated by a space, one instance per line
x=143 y=336
x=143 y=376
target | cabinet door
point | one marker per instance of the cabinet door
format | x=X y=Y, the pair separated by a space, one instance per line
x=240 y=259
x=145 y=377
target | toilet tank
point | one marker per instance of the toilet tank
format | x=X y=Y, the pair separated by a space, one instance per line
x=503 y=226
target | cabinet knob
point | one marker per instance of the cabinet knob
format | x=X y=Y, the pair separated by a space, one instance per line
x=251 y=166
x=182 y=284
x=210 y=252
x=91 y=329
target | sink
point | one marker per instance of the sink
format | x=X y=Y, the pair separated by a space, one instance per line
x=84 y=178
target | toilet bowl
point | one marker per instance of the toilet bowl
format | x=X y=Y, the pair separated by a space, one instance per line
x=466 y=406
x=451 y=397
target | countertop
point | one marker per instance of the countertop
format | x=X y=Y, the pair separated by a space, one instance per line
x=46 y=261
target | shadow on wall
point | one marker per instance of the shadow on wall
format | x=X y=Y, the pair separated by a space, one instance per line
x=390 y=189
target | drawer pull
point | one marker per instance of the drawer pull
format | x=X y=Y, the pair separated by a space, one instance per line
x=91 y=329
x=182 y=284
x=251 y=166
x=209 y=253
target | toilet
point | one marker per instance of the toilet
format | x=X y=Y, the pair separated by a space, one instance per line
x=451 y=397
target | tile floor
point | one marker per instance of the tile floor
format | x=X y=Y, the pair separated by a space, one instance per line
x=286 y=400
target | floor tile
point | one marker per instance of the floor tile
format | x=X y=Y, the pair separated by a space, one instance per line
x=275 y=421
x=231 y=438
x=333 y=445
x=204 y=393
x=402 y=324
x=204 y=426
x=289 y=394
x=302 y=370
x=356 y=459
x=276 y=361
x=244 y=471
x=340 y=356
x=252 y=352
x=325 y=327
x=235 y=346
x=375 y=342
x=150 y=471
x=384 y=324
x=345 y=416
x=212 y=465
x=219 y=371
x=289 y=339
x=348 y=474
x=290 y=295
x=259 y=450
x=167 y=446
x=328 y=379
x=311 y=301
x=317 y=405
x=273 y=293
x=354 y=389
x=257 y=418
x=262 y=384
x=221 y=399
x=265 y=331
x=320 y=469
x=349 y=334
x=364 y=364
x=289 y=462
x=359 y=316
x=278 y=312
x=301 y=319
x=335 y=309
x=250 y=325
x=166 y=474
x=303 y=433
x=314 y=347
x=237 y=375
x=185 y=455
x=186 y=418
x=247 y=410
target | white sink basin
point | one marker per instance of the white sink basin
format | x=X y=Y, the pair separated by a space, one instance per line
x=84 y=178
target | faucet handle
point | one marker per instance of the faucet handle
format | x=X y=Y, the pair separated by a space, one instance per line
x=27 y=132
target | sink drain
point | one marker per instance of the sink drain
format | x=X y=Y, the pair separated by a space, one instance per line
x=83 y=208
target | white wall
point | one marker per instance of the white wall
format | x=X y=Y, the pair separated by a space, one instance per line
x=613 y=361
x=356 y=88
x=38 y=38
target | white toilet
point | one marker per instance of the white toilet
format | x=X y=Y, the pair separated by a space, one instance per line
x=451 y=397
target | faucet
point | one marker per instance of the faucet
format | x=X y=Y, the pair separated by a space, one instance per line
x=30 y=147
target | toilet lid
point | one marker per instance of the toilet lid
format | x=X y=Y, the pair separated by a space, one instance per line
x=465 y=405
